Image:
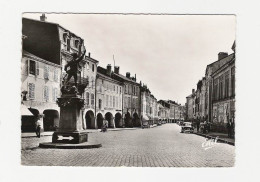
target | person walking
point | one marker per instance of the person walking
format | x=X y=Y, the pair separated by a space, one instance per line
x=229 y=129
x=38 y=126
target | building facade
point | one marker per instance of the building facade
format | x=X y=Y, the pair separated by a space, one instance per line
x=223 y=99
x=40 y=89
x=109 y=98
x=131 y=99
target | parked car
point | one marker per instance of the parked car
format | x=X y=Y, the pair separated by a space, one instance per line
x=187 y=127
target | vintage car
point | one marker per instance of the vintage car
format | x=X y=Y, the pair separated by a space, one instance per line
x=187 y=127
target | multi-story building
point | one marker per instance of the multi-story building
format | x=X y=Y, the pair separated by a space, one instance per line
x=149 y=107
x=200 y=100
x=164 y=111
x=223 y=98
x=89 y=72
x=131 y=99
x=190 y=102
x=109 y=98
x=40 y=89
x=55 y=44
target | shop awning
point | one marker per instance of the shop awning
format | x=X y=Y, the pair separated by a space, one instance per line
x=34 y=111
x=146 y=118
x=25 y=111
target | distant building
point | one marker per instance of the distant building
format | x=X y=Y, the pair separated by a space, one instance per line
x=109 y=98
x=131 y=99
x=190 y=102
x=164 y=110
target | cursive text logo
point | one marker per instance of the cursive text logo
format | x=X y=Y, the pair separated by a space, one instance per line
x=209 y=143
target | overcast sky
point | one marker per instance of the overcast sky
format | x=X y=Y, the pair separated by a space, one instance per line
x=169 y=53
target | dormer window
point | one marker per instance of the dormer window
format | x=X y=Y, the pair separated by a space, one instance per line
x=65 y=36
x=68 y=44
x=76 y=43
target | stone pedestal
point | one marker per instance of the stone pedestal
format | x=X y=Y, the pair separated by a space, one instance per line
x=70 y=133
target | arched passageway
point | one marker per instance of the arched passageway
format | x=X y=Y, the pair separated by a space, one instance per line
x=128 y=120
x=118 y=120
x=109 y=118
x=90 y=120
x=99 y=120
x=50 y=120
x=136 y=120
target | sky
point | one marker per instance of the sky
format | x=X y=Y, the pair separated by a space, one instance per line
x=168 y=53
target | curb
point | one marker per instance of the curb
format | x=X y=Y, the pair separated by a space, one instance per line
x=219 y=139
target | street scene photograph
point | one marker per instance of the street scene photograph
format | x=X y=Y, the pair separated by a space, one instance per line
x=128 y=90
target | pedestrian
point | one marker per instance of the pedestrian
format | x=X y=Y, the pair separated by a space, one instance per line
x=104 y=126
x=232 y=128
x=198 y=125
x=229 y=129
x=38 y=125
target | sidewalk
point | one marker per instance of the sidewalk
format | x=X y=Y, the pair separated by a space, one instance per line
x=49 y=133
x=222 y=137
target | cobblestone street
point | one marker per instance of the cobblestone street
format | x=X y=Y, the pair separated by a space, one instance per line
x=162 y=146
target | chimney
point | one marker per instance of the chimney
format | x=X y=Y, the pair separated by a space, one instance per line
x=109 y=69
x=128 y=75
x=43 y=17
x=89 y=54
x=193 y=91
x=116 y=69
x=222 y=55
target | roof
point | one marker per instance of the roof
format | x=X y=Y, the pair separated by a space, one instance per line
x=124 y=78
x=53 y=24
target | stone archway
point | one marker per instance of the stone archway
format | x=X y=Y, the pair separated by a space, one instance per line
x=50 y=119
x=90 y=120
x=136 y=120
x=109 y=118
x=99 y=120
x=118 y=120
x=128 y=120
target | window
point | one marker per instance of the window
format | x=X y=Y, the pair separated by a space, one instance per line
x=99 y=103
x=114 y=88
x=87 y=98
x=93 y=67
x=46 y=93
x=31 y=91
x=55 y=74
x=126 y=89
x=215 y=89
x=120 y=90
x=76 y=43
x=32 y=67
x=129 y=102
x=46 y=72
x=92 y=99
x=68 y=44
x=221 y=87
x=54 y=94
x=134 y=90
x=226 y=85
x=92 y=83
x=233 y=81
x=119 y=102
x=110 y=101
x=114 y=104
x=107 y=100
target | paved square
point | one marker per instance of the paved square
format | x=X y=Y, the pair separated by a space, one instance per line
x=162 y=146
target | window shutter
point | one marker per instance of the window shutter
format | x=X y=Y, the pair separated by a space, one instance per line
x=37 y=68
x=26 y=67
